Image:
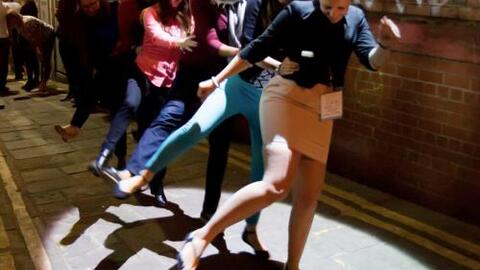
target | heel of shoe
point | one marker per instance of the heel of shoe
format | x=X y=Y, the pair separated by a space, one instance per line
x=260 y=253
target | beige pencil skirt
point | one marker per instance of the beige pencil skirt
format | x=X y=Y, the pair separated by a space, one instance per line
x=291 y=114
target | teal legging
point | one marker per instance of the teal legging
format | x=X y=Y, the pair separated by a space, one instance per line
x=235 y=96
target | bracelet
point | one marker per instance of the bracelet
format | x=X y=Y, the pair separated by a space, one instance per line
x=277 y=69
x=214 y=81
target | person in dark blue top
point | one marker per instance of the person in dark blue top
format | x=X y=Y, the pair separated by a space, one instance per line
x=319 y=36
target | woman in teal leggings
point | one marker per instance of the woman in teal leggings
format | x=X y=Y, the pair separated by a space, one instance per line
x=238 y=95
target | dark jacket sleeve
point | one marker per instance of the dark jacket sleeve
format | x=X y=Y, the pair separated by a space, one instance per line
x=364 y=41
x=250 y=21
x=270 y=40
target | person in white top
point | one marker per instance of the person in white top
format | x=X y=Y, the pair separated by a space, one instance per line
x=5 y=43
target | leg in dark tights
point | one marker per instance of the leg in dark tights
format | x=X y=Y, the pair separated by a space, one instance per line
x=219 y=144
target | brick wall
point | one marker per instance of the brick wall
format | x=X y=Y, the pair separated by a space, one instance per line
x=413 y=129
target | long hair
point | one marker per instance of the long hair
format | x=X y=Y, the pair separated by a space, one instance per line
x=268 y=10
x=182 y=14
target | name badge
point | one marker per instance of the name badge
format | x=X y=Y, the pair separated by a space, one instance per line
x=307 y=54
x=331 y=105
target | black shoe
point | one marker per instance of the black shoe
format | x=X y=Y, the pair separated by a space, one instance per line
x=160 y=198
x=263 y=254
x=66 y=98
x=96 y=166
x=29 y=85
x=110 y=173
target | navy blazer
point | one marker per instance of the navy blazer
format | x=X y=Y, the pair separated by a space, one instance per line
x=302 y=27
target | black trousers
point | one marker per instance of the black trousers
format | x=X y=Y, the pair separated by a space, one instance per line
x=4 y=52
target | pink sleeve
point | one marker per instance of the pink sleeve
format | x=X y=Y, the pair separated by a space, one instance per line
x=153 y=27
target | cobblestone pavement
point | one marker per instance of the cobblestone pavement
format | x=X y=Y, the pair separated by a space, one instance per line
x=54 y=214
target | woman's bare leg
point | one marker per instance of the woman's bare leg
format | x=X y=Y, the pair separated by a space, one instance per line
x=305 y=192
x=281 y=166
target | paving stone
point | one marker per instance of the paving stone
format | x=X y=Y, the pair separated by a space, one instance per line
x=82 y=191
x=75 y=168
x=47 y=197
x=46 y=118
x=42 y=162
x=9 y=221
x=40 y=151
x=48 y=185
x=27 y=143
x=42 y=174
x=7 y=261
x=89 y=258
x=4 y=241
x=20 y=135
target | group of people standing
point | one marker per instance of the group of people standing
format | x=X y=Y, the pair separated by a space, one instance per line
x=31 y=41
x=166 y=63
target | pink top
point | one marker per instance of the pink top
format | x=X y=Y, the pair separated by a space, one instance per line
x=160 y=53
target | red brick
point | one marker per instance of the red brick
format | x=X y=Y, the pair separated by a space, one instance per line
x=430 y=76
x=472 y=98
x=454 y=145
x=365 y=119
x=429 y=125
x=468 y=149
x=407 y=72
x=468 y=174
x=444 y=166
x=363 y=130
x=456 y=95
x=457 y=81
x=427 y=101
x=405 y=95
x=442 y=141
x=451 y=106
x=454 y=132
x=418 y=10
x=430 y=113
x=444 y=11
x=408 y=84
x=443 y=91
x=473 y=3
x=470 y=14
x=389 y=126
x=474 y=137
x=475 y=85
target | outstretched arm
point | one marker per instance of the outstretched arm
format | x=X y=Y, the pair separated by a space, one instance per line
x=388 y=35
x=235 y=66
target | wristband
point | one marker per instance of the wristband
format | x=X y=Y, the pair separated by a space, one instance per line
x=214 y=81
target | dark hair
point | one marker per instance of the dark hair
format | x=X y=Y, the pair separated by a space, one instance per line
x=268 y=10
x=181 y=14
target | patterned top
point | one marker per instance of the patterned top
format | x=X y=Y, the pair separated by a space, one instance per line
x=36 y=31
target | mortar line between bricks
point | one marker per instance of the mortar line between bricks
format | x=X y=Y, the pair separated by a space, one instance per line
x=29 y=233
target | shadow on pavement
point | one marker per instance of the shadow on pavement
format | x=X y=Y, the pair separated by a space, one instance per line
x=237 y=261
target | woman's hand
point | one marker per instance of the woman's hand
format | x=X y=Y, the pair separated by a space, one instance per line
x=389 y=32
x=288 y=67
x=205 y=88
x=187 y=43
